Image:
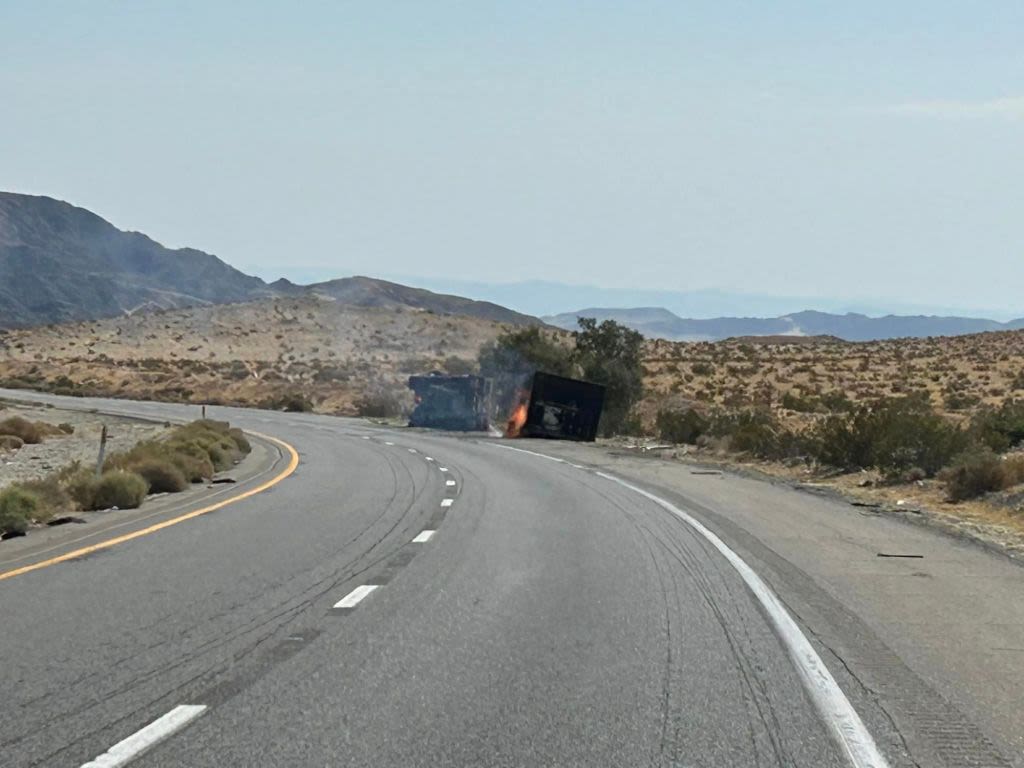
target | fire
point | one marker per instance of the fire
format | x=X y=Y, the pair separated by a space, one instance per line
x=517 y=418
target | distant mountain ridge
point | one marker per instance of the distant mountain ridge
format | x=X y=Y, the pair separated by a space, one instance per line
x=659 y=323
x=61 y=263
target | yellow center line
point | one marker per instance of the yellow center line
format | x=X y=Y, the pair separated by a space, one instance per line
x=106 y=544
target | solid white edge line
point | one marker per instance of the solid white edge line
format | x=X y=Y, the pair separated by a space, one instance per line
x=447 y=502
x=833 y=706
x=128 y=749
x=353 y=598
x=423 y=536
x=449 y=482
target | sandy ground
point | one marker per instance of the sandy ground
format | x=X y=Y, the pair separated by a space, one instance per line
x=35 y=461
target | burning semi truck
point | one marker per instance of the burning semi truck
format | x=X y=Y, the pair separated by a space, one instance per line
x=557 y=407
x=458 y=403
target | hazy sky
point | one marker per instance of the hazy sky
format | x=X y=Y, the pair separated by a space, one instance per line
x=863 y=149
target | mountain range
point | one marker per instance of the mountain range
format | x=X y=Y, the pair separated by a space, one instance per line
x=657 y=322
x=62 y=263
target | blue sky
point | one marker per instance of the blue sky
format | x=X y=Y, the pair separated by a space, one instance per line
x=861 y=151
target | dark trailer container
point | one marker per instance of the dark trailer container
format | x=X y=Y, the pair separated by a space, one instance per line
x=563 y=409
x=450 y=402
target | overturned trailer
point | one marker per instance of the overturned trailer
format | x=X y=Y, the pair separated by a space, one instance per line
x=559 y=408
x=450 y=402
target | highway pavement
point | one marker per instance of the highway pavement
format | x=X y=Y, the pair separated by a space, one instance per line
x=402 y=598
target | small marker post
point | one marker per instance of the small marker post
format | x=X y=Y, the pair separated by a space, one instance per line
x=103 y=451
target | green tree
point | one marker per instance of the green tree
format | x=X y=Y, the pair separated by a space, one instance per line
x=610 y=354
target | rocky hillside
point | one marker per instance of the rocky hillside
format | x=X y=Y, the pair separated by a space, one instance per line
x=61 y=263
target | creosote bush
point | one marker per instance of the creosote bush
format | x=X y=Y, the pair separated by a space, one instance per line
x=891 y=435
x=981 y=471
x=18 y=507
x=680 y=426
x=118 y=488
x=28 y=432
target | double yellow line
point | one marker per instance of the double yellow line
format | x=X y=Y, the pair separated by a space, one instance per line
x=108 y=543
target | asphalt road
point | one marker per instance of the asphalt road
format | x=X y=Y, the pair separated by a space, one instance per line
x=554 y=617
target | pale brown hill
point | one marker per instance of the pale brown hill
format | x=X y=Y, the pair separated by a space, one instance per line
x=247 y=353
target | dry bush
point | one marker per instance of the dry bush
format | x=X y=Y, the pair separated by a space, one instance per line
x=18 y=508
x=979 y=472
x=162 y=476
x=29 y=432
x=10 y=443
x=118 y=488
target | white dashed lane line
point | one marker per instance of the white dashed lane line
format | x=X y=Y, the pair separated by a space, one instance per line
x=427 y=458
x=127 y=750
x=423 y=537
x=447 y=502
x=443 y=469
x=449 y=482
x=356 y=596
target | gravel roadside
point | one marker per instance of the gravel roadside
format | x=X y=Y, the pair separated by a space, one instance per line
x=31 y=462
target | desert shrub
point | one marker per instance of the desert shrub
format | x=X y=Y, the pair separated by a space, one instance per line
x=680 y=426
x=80 y=485
x=18 y=508
x=119 y=488
x=214 y=438
x=891 y=435
x=836 y=402
x=1000 y=428
x=960 y=401
x=67 y=429
x=292 y=402
x=296 y=403
x=632 y=425
x=10 y=442
x=378 y=405
x=192 y=459
x=17 y=426
x=161 y=475
x=758 y=433
x=702 y=369
x=794 y=402
x=52 y=497
x=980 y=471
x=240 y=440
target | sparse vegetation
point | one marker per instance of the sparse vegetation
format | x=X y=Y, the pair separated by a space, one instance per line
x=189 y=453
x=118 y=488
x=891 y=435
x=681 y=426
x=28 y=432
x=18 y=507
x=981 y=471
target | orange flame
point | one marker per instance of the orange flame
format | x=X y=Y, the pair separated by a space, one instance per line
x=517 y=419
